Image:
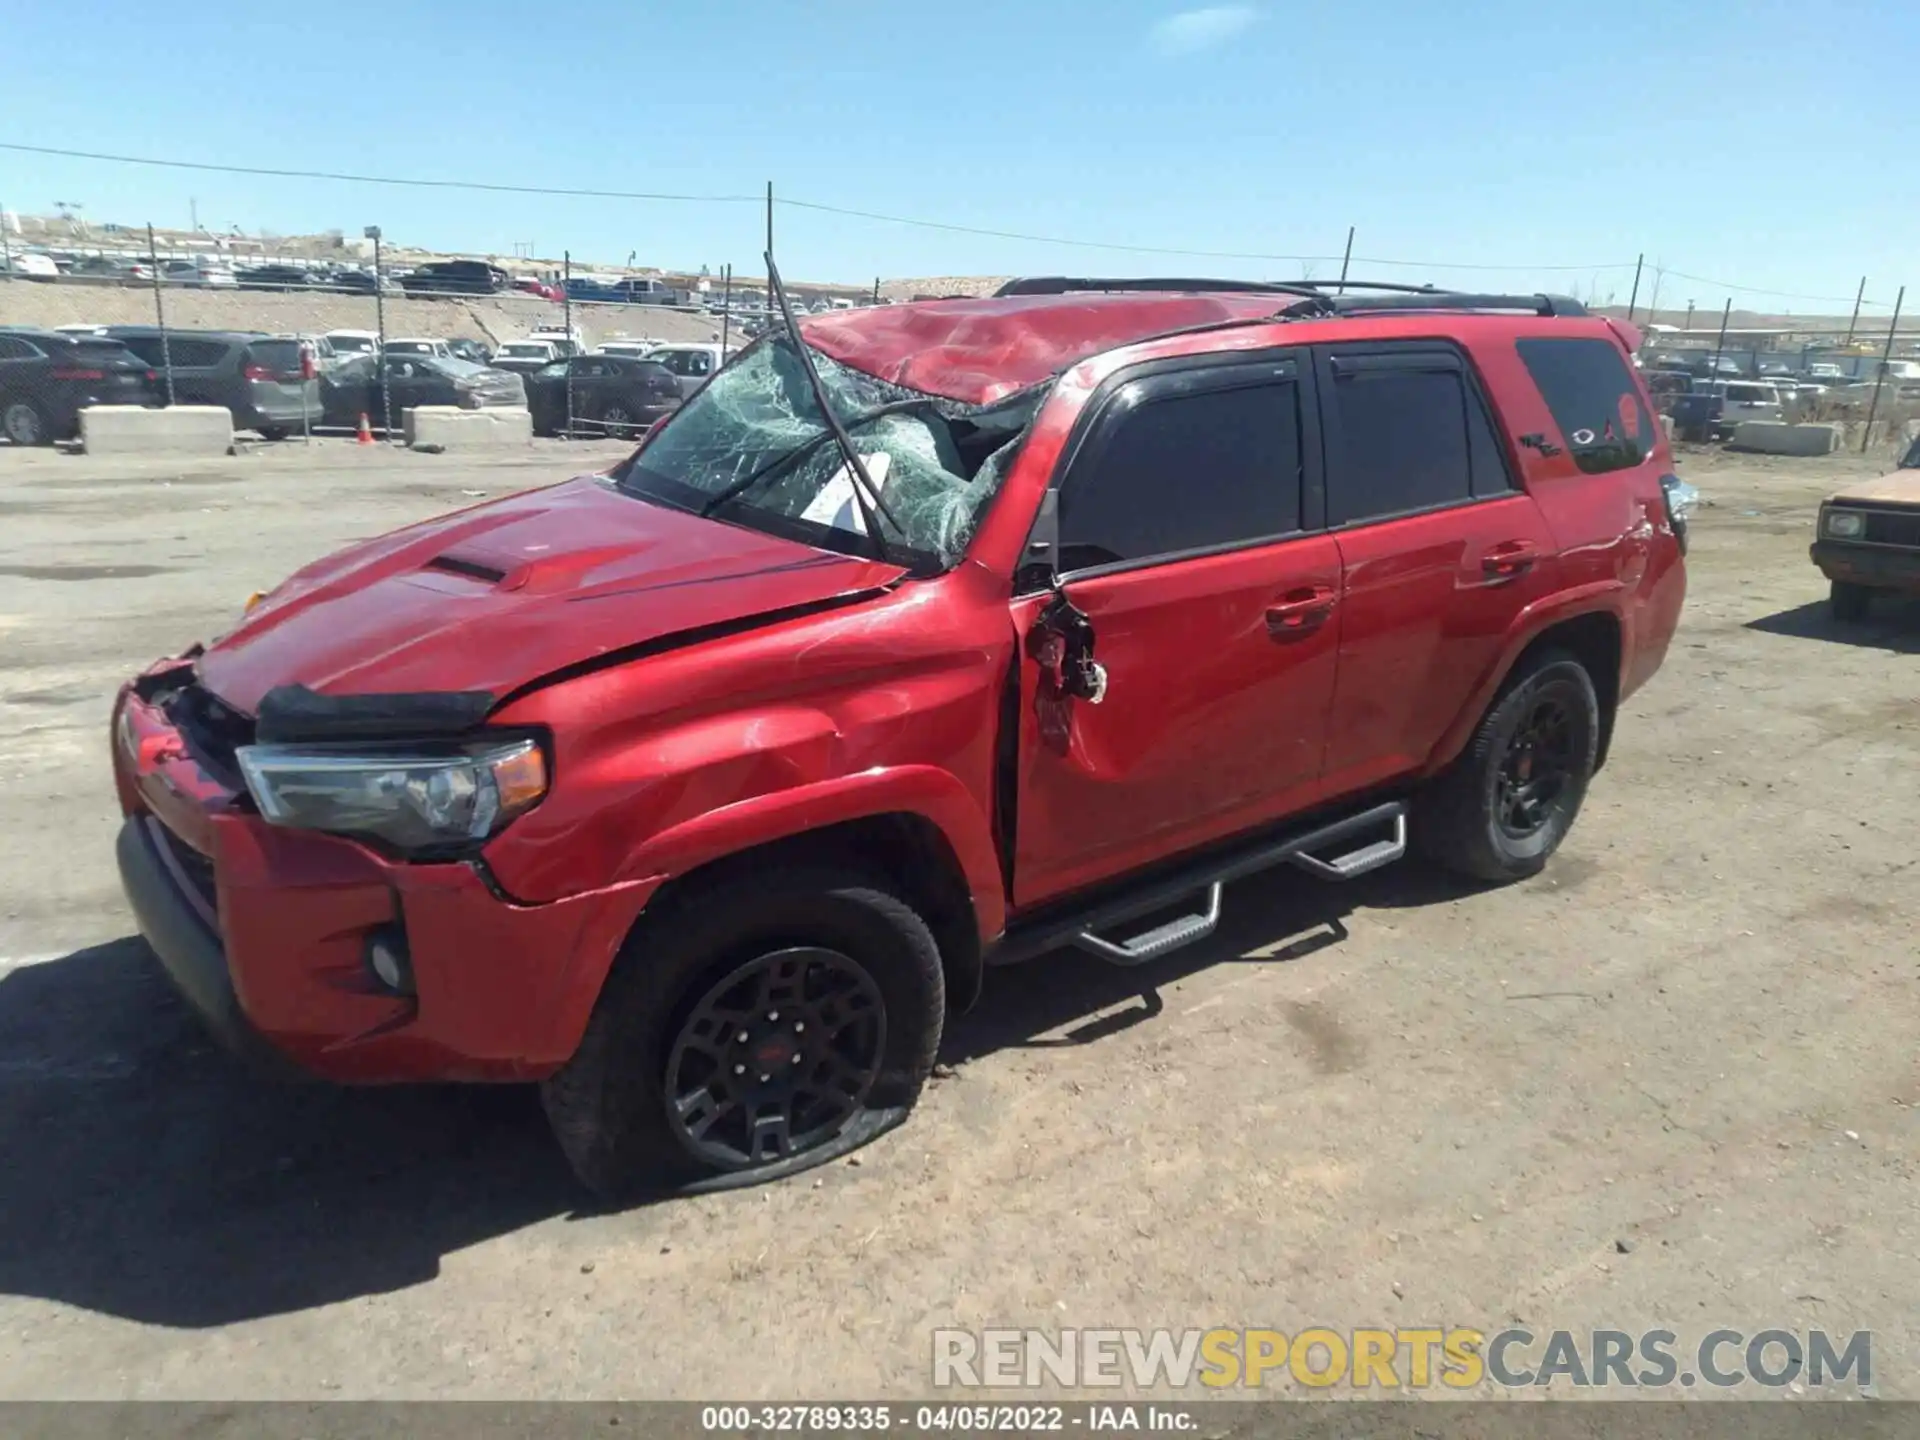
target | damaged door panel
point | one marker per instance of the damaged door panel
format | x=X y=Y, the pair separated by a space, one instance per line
x=1178 y=671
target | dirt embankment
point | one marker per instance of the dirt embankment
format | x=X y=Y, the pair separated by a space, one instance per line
x=495 y=318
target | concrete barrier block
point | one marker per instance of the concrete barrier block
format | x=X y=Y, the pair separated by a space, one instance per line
x=177 y=430
x=446 y=427
x=1770 y=437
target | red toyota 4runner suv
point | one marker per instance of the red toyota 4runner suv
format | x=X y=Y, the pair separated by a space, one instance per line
x=701 y=790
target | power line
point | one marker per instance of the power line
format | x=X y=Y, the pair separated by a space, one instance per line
x=1771 y=294
x=380 y=179
x=817 y=206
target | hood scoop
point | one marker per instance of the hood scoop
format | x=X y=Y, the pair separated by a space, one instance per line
x=481 y=570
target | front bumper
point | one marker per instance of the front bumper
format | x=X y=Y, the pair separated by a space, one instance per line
x=264 y=930
x=1881 y=566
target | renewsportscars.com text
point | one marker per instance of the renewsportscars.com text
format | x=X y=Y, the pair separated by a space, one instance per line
x=1416 y=1358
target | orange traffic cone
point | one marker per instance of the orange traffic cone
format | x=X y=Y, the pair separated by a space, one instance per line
x=365 y=437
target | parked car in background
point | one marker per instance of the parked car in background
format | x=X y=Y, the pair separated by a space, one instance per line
x=563 y=340
x=1867 y=541
x=257 y=377
x=81 y=329
x=114 y=269
x=355 y=387
x=204 y=272
x=455 y=277
x=1746 y=400
x=273 y=277
x=418 y=346
x=533 y=285
x=47 y=379
x=632 y=347
x=1827 y=373
x=525 y=357
x=31 y=265
x=363 y=282
x=461 y=348
x=354 y=342
x=613 y=395
x=691 y=365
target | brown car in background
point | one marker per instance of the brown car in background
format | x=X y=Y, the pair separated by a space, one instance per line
x=1868 y=541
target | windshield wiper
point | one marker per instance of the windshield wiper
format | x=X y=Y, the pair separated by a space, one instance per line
x=865 y=493
x=787 y=459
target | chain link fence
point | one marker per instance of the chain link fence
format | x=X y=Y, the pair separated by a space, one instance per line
x=344 y=335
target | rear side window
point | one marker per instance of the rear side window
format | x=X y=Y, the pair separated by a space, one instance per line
x=283 y=355
x=1404 y=440
x=1594 y=401
x=12 y=349
x=1184 y=463
x=183 y=353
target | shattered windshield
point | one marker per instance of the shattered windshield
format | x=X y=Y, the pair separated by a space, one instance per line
x=752 y=447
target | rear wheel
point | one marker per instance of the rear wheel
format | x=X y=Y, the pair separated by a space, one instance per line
x=1503 y=807
x=25 y=424
x=619 y=421
x=759 y=1028
x=273 y=432
x=1850 y=601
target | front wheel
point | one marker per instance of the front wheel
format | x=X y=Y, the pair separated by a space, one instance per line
x=757 y=1029
x=24 y=424
x=273 y=432
x=1850 y=601
x=1503 y=807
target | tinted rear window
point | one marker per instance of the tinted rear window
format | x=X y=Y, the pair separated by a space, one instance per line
x=275 y=354
x=1594 y=401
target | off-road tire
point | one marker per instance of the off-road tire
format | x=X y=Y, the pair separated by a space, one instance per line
x=1455 y=822
x=608 y=1107
x=1850 y=602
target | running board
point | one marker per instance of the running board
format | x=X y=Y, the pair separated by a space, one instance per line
x=1081 y=926
x=1162 y=939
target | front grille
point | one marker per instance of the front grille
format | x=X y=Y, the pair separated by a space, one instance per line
x=1893 y=527
x=212 y=729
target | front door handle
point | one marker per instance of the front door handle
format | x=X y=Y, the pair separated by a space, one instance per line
x=1509 y=560
x=1301 y=612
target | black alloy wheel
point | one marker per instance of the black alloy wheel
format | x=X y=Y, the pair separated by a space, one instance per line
x=1539 y=764
x=775 y=1058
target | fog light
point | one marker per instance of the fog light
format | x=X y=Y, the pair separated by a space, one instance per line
x=388 y=963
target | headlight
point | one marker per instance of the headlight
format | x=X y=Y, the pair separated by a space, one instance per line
x=413 y=800
x=1844 y=524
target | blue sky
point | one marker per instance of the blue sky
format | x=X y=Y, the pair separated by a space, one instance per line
x=1752 y=142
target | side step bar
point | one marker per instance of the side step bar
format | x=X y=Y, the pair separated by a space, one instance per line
x=1081 y=926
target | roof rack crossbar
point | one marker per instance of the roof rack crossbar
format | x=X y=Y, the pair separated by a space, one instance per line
x=1068 y=285
x=1386 y=296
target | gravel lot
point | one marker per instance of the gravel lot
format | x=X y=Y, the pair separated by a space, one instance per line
x=1393 y=1103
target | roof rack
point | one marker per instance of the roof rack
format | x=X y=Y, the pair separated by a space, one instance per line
x=1386 y=299
x=1063 y=285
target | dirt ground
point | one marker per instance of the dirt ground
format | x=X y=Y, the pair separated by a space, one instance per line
x=1669 y=1083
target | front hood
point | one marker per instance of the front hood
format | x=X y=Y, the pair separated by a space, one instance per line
x=1898 y=487
x=500 y=595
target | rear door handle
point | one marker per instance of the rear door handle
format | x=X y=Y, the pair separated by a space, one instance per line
x=1301 y=611
x=1509 y=560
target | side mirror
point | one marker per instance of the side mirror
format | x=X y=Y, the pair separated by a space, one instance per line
x=1062 y=644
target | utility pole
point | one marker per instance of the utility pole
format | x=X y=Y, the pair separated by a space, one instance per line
x=372 y=232
x=1345 y=259
x=566 y=325
x=1721 y=344
x=1858 y=296
x=1880 y=378
x=160 y=315
x=1689 y=325
x=1633 y=300
x=769 y=254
